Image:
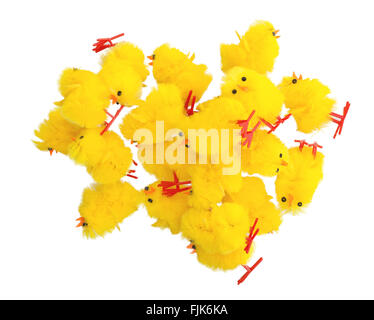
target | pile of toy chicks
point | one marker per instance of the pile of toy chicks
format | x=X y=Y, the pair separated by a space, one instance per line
x=219 y=214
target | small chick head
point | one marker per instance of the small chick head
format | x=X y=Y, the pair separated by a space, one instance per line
x=165 y=60
x=128 y=53
x=124 y=83
x=88 y=147
x=168 y=210
x=260 y=41
x=254 y=91
x=220 y=230
x=296 y=184
x=104 y=206
x=308 y=101
x=266 y=156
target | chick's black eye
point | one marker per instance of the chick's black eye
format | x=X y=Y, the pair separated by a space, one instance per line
x=181 y=134
x=84 y=224
x=294 y=81
x=244 y=78
x=280 y=155
x=277 y=170
x=81 y=137
x=153 y=56
x=284 y=199
x=150 y=200
x=300 y=204
x=234 y=91
x=119 y=93
x=273 y=33
x=146 y=188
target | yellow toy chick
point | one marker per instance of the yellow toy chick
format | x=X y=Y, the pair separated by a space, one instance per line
x=256 y=50
x=308 y=101
x=55 y=133
x=170 y=65
x=266 y=156
x=85 y=98
x=254 y=198
x=256 y=92
x=220 y=230
x=168 y=210
x=103 y=207
x=296 y=184
x=126 y=53
x=105 y=156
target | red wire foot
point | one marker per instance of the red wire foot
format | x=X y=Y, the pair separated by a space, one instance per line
x=167 y=186
x=108 y=125
x=279 y=121
x=190 y=108
x=339 y=119
x=103 y=43
x=314 y=145
x=251 y=237
x=249 y=270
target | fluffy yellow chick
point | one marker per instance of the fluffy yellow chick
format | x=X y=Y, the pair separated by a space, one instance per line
x=308 y=101
x=167 y=210
x=170 y=65
x=123 y=71
x=266 y=156
x=105 y=156
x=256 y=50
x=296 y=184
x=255 y=92
x=207 y=187
x=221 y=230
x=162 y=104
x=85 y=98
x=128 y=54
x=103 y=207
x=172 y=151
x=254 y=198
x=214 y=115
x=55 y=133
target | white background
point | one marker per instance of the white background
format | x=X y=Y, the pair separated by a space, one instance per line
x=325 y=253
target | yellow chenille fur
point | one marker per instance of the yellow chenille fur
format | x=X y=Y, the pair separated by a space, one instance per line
x=105 y=156
x=170 y=65
x=56 y=133
x=103 y=207
x=223 y=261
x=162 y=104
x=220 y=230
x=167 y=210
x=254 y=198
x=129 y=54
x=266 y=156
x=85 y=98
x=257 y=49
x=255 y=92
x=308 y=101
x=296 y=184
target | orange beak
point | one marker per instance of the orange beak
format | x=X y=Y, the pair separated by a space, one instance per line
x=290 y=198
x=81 y=221
x=284 y=163
x=245 y=89
x=51 y=152
x=151 y=58
x=150 y=190
x=275 y=33
x=113 y=98
x=191 y=246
